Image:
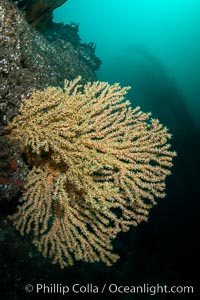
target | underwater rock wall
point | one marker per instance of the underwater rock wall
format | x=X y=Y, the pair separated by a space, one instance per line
x=34 y=60
x=30 y=59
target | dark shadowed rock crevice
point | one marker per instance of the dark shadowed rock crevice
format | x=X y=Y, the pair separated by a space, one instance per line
x=39 y=12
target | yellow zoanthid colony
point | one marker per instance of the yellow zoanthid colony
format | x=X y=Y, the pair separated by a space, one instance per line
x=96 y=167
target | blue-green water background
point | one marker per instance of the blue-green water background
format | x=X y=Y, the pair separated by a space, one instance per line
x=152 y=45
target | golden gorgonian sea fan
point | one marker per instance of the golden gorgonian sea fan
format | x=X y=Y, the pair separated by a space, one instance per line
x=97 y=166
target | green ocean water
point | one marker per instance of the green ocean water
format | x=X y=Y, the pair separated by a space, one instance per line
x=152 y=45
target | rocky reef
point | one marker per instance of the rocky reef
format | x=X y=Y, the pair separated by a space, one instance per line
x=34 y=60
x=33 y=56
